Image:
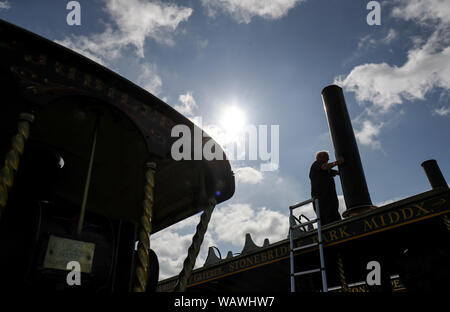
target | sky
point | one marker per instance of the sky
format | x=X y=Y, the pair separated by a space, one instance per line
x=232 y=64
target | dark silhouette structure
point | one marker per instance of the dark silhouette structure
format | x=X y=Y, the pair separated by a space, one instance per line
x=87 y=173
x=354 y=186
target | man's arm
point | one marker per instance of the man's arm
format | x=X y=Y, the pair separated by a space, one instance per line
x=328 y=166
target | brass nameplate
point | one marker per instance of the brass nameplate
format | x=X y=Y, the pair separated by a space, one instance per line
x=61 y=251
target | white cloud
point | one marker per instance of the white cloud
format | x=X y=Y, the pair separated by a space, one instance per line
x=4 y=5
x=133 y=22
x=248 y=175
x=149 y=79
x=423 y=10
x=138 y=19
x=244 y=10
x=369 y=41
x=369 y=133
x=383 y=87
x=391 y=36
x=69 y=43
x=171 y=249
x=387 y=86
x=188 y=104
x=443 y=111
x=230 y=223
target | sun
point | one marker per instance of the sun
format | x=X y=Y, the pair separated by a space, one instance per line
x=233 y=122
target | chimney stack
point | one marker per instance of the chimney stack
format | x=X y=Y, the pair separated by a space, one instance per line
x=353 y=181
x=434 y=174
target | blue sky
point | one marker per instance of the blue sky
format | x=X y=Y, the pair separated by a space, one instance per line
x=270 y=60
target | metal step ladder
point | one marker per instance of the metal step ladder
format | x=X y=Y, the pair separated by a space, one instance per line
x=292 y=227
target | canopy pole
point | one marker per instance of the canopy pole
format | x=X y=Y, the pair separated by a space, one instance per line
x=12 y=158
x=145 y=229
x=194 y=249
x=88 y=179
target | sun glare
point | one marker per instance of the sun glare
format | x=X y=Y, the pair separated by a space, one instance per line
x=233 y=122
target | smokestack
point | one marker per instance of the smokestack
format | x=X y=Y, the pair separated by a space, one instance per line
x=354 y=186
x=434 y=174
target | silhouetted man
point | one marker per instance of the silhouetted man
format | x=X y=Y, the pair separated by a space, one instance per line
x=324 y=188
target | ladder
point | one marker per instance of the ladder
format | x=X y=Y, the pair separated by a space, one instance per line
x=293 y=226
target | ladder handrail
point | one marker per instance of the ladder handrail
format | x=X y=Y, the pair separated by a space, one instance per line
x=302 y=203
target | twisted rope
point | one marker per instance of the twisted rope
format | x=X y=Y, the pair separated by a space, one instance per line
x=145 y=229
x=194 y=249
x=342 y=274
x=12 y=158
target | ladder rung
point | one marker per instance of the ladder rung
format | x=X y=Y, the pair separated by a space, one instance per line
x=305 y=247
x=302 y=203
x=307 y=272
x=310 y=222
x=297 y=226
x=304 y=224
